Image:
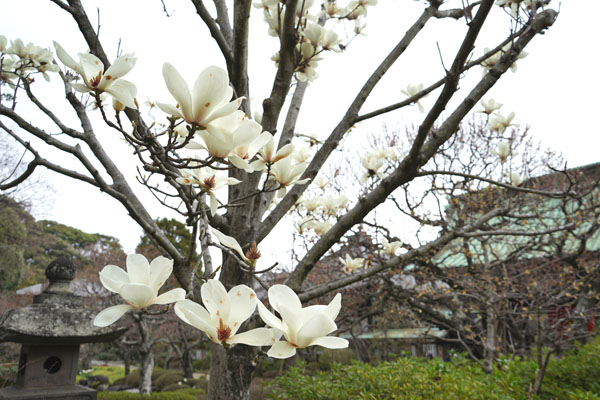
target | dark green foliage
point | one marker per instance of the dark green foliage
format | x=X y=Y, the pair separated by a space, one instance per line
x=174 y=387
x=176 y=232
x=340 y=356
x=202 y=364
x=578 y=369
x=182 y=394
x=28 y=246
x=167 y=378
x=12 y=242
x=575 y=376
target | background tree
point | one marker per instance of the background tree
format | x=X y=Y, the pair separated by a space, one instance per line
x=175 y=177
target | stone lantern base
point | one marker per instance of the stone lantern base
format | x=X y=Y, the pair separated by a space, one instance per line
x=67 y=392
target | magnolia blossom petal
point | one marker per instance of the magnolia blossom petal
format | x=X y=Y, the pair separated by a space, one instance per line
x=195 y=315
x=211 y=91
x=113 y=277
x=110 y=315
x=215 y=299
x=240 y=163
x=214 y=204
x=230 y=242
x=226 y=109
x=185 y=307
x=65 y=58
x=179 y=90
x=331 y=342
x=170 y=109
x=91 y=68
x=160 y=269
x=254 y=337
x=137 y=295
x=319 y=325
x=283 y=295
x=123 y=91
x=243 y=304
x=268 y=317
x=138 y=269
x=80 y=87
x=292 y=322
x=120 y=67
x=171 y=296
x=258 y=143
x=281 y=350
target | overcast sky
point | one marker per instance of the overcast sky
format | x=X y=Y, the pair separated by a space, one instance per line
x=555 y=90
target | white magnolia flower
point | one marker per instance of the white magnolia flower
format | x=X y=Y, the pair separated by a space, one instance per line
x=234 y=137
x=498 y=122
x=372 y=162
x=208 y=180
x=490 y=106
x=321 y=227
x=31 y=57
x=331 y=41
x=313 y=33
x=138 y=286
x=225 y=312
x=311 y=205
x=267 y=155
x=302 y=154
x=321 y=182
x=388 y=153
x=330 y=8
x=359 y=27
x=333 y=204
x=3 y=43
x=301 y=327
x=209 y=100
x=287 y=174
x=502 y=151
x=492 y=60
x=95 y=79
x=305 y=71
x=514 y=178
x=390 y=247
x=273 y=18
x=412 y=90
x=305 y=223
x=350 y=264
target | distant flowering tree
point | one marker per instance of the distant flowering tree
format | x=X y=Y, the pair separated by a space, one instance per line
x=221 y=168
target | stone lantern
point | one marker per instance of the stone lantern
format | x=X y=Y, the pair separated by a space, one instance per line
x=50 y=332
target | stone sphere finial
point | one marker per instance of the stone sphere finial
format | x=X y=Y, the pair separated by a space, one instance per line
x=61 y=269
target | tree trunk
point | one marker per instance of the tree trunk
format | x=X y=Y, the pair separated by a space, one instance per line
x=146 y=372
x=230 y=372
x=127 y=365
x=147 y=357
x=490 y=340
x=188 y=367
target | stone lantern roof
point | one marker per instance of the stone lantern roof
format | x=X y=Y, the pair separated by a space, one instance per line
x=57 y=316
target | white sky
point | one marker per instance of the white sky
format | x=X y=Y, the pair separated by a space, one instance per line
x=555 y=90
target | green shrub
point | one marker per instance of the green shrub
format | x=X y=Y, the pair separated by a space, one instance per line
x=113 y=373
x=575 y=376
x=405 y=378
x=579 y=369
x=202 y=364
x=133 y=379
x=340 y=356
x=182 y=394
x=167 y=378
x=174 y=387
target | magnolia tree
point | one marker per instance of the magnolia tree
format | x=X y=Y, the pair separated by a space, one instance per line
x=221 y=168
